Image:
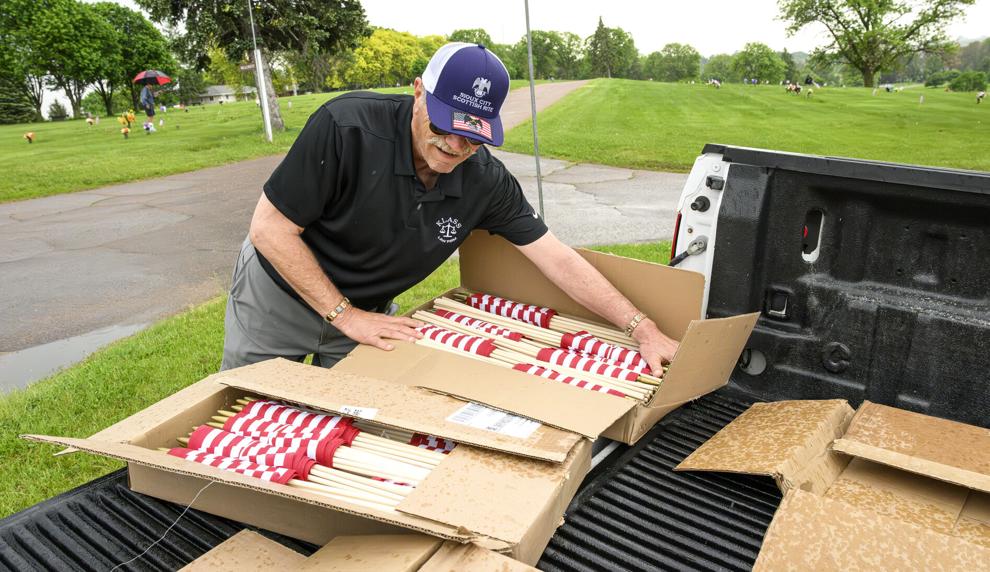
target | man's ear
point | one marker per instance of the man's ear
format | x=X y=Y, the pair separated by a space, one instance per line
x=418 y=87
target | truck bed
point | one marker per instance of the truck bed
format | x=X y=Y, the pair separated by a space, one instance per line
x=874 y=283
x=632 y=513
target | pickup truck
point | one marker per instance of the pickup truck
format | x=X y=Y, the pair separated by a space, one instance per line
x=872 y=280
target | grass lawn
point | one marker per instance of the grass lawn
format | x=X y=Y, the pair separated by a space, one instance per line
x=133 y=373
x=83 y=157
x=663 y=126
x=86 y=157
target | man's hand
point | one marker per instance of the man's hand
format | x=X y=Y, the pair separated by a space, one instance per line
x=375 y=329
x=655 y=347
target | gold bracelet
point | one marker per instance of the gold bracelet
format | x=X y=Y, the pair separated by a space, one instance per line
x=344 y=304
x=634 y=323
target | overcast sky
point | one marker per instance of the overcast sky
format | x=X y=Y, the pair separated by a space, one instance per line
x=711 y=26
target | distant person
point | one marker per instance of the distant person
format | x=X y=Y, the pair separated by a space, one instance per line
x=808 y=80
x=980 y=96
x=148 y=103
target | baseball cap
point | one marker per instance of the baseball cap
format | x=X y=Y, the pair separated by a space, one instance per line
x=465 y=86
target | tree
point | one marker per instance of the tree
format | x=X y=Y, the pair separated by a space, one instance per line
x=675 y=62
x=472 y=36
x=610 y=51
x=333 y=25
x=189 y=84
x=790 y=68
x=569 y=59
x=758 y=61
x=547 y=48
x=80 y=48
x=386 y=58
x=870 y=35
x=428 y=45
x=969 y=81
x=137 y=46
x=15 y=104
x=720 y=67
x=22 y=48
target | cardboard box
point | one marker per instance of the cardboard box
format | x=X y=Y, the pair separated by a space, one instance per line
x=708 y=352
x=374 y=553
x=881 y=488
x=248 y=550
x=505 y=493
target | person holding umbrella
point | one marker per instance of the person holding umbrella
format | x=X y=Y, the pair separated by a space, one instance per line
x=147 y=100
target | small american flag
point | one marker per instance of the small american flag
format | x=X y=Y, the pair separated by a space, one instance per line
x=466 y=122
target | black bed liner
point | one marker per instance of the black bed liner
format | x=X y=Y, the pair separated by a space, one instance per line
x=683 y=520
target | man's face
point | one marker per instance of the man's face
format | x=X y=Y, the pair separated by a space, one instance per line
x=441 y=152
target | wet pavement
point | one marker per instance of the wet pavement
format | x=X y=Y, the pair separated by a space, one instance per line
x=93 y=266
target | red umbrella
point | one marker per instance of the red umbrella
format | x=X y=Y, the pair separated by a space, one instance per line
x=152 y=77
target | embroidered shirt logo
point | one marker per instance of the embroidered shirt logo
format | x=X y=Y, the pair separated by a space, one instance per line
x=448 y=229
x=481 y=86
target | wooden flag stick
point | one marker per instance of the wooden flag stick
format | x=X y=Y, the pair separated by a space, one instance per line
x=390 y=433
x=413 y=459
x=359 y=481
x=374 y=494
x=336 y=494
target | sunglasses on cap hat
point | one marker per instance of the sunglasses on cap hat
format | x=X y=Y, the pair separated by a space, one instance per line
x=437 y=131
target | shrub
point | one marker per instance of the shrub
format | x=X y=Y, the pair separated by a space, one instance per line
x=941 y=78
x=969 y=81
x=57 y=111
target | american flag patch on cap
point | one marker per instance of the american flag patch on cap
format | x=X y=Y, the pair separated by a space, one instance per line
x=466 y=122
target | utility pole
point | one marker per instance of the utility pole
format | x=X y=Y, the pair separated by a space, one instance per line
x=259 y=78
x=532 y=103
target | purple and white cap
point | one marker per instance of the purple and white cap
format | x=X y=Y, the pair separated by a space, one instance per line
x=465 y=87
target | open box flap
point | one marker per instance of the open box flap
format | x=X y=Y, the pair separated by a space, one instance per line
x=938 y=448
x=810 y=532
x=670 y=296
x=246 y=551
x=164 y=462
x=704 y=361
x=471 y=557
x=787 y=440
x=395 y=405
x=149 y=418
x=500 y=495
x=586 y=413
x=373 y=553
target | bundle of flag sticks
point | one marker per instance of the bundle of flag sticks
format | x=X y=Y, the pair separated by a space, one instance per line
x=539 y=341
x=345 y=459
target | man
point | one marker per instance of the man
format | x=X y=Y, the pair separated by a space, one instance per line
x=147 y=101
x=378 y=191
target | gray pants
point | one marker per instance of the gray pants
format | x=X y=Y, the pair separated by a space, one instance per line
x=264 y=322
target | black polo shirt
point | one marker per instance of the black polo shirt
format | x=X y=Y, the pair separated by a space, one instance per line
x=375 y=230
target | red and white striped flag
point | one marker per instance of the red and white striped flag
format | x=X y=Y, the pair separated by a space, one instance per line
x=556 y=376
x=288 y=415
x=463 y=342
x=528 y=313
x=432 y=443
x=219 y=442
x=279 y=475
x=582 y=362
x=480 y=325
x=588 y=344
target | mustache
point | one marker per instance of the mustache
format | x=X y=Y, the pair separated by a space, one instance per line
x=441 y=143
